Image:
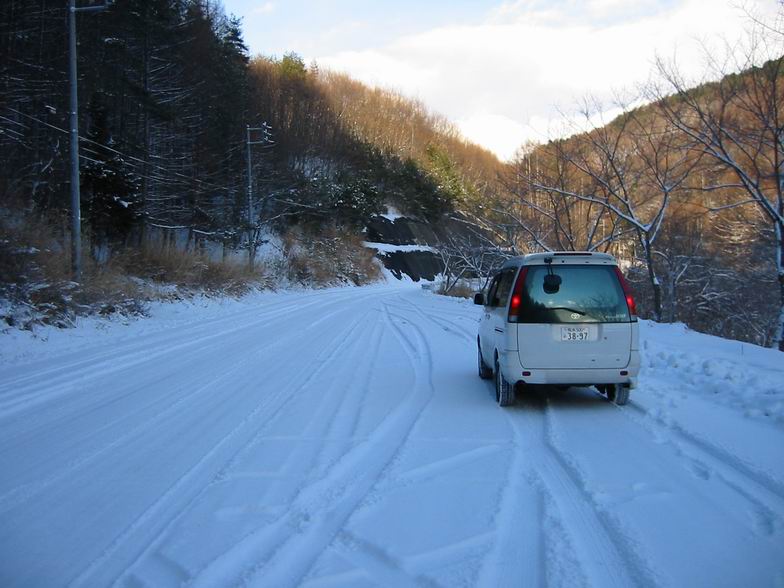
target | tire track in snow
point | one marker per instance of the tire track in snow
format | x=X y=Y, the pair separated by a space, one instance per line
x=762 y=491
x=441 y=466
x=177 y=498
x=517 y=554
x=344 y=425
x=291 y=545
x=385 y=569
x=414 y=349
x=664 y=455
x=91 y=402
x=604 y=553
x=42 y=369
x=130 y=349
x=307 y=456
x=323 y=363
x=19 y=399
x=440 y=322
x=24 y=493
x=440 y=557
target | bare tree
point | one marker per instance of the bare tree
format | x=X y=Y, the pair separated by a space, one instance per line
x=611 y=178
x=738 y=124
x=453 y=269
x=469 y=256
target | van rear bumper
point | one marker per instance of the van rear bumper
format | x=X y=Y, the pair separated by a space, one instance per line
x=513 y=371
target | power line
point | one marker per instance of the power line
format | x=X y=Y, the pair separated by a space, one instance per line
x=208 y=185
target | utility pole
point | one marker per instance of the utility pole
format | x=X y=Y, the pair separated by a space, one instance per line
x=76 y=213
x=265 y=139
x=250 y=178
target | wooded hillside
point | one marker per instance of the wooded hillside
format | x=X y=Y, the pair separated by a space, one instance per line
x=687 y=191
x=167 y=91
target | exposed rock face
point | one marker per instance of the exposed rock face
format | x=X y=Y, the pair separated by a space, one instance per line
x=403 y=231
x=409 y=247
x=417 y=265
x=405 y=246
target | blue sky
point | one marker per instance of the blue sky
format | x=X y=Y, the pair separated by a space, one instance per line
x=274 y=27
x=504 y=71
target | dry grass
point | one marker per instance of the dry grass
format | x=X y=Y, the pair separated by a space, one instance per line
x=190 y=270
x=329 y=258
x=459 y=290
x=35 y=274
x=35 y=277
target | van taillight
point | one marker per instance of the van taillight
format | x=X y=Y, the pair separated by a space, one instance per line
x=517 y=297
x=627 y=292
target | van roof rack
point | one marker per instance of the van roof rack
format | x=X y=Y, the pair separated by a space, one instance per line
x=574 y=253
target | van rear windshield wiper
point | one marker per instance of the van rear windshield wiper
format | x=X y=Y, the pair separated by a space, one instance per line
x=582 y=312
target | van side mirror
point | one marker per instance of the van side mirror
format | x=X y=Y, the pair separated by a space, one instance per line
x=479 y=298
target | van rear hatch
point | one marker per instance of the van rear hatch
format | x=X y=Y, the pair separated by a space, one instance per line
x=581 y=322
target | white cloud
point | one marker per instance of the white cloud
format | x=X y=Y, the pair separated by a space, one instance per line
x=501 y=79
x=499 y=134
x=265 y=8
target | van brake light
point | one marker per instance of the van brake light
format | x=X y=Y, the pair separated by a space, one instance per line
x=515 y=304
x=627 y=292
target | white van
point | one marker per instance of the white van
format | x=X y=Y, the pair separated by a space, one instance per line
x=564 y=318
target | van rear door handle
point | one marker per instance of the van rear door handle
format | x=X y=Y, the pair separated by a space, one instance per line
x=497 y=330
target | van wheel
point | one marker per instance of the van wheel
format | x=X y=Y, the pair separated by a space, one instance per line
x=484 y=370
x=504 y=391
x=617 y=394
x=621 y=395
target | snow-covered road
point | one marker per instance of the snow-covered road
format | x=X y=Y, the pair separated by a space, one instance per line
x=342 y=438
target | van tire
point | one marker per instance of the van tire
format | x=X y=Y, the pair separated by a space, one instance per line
x=485 y=372
x=504 y=391
x=617 y=393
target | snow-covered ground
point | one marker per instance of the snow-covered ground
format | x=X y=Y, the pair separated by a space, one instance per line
x=342 y=438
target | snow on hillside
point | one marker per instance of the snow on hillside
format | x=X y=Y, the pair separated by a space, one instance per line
x=389 y=248
x=342 y=438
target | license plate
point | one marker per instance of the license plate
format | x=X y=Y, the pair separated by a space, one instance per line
x=574 y=333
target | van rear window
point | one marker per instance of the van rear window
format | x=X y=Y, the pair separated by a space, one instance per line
x=587 y=294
